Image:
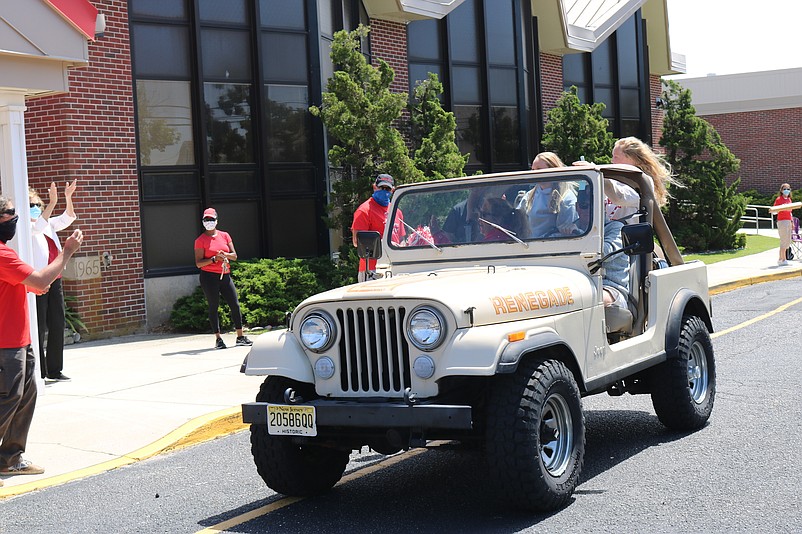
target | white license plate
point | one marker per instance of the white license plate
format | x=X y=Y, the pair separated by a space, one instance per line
x=287 y=420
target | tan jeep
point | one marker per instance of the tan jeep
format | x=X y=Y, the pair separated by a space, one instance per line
x=485 y=327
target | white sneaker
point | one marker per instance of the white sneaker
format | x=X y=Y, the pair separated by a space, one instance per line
x=782 y=263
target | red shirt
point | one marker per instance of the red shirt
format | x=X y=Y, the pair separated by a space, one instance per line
x=15 y=328
x=783 y=215
x=370 y=215
x=211 y=245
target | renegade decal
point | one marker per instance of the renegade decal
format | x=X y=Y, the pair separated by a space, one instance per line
x=532 y=300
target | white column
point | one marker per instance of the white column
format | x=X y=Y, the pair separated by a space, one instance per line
x=14 y=185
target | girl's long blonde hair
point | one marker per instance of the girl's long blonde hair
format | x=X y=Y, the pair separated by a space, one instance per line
x=650 y=163
x=552 y=160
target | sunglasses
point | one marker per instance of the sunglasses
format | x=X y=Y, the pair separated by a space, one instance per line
x=36 y=204
x=9 y=211
x=209 y=219
x=386 y=187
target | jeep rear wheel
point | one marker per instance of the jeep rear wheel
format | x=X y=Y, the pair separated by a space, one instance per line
x=684 y=387
x=288 y=467
x=536 y=435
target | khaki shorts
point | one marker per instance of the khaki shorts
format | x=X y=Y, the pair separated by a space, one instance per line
x=784 y=229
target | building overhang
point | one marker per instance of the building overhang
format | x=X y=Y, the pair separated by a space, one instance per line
x=40 y=42
x=409 y=10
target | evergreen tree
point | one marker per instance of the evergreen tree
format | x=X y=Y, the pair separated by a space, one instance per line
x=705 y=212
x=358 y=111
x=437 y=155
x=574 y=130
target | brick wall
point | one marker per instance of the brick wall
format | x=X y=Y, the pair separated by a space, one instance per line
x=388 y=41
x=551 y=81
x=655 y=90
x=88 y=135
x=766 y=142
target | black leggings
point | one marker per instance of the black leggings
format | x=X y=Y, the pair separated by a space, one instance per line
x=213 y=286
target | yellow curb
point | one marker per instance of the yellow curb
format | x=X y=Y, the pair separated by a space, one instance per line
x=735 y=284
x=203 y=428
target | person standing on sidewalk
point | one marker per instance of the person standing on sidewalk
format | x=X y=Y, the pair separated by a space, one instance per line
x=17 y=360
x=372 y=215
x=784 y=223
x=50 y=308
x=213 y=252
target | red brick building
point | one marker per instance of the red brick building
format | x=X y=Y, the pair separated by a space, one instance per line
x=189 y=103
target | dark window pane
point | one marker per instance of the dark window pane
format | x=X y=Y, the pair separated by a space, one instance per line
x=164 y=123
x=284 y=57
x=161 y=51
x=574 y=69
x=467 y=89
x=503 y=87
x=602 y=60
x=506 y=135
x=287 y=122
x=605 y=95
x=167 y=9
x=241 y=221
x=420 y=72
x=292 y=180
x=226 y=55
x=469 y=131
x=297 y=240
x=228 y=122
x=232 y=11
x=627 y=54
x=423 y=40
x=463 y=34
x=630 y=128
x=348 y=16
x=630 y=103
x=325 y=15
x=175 y=249
x=283 y=14
x=228 y=183
x=500 y=30
x=163 y=185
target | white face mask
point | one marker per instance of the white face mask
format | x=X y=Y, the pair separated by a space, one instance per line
x=210 y=225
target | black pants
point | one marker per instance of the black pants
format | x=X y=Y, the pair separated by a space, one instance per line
x=50 y=319
x=213 y=287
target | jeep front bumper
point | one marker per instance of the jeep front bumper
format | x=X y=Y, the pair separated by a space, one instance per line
x=374 y=415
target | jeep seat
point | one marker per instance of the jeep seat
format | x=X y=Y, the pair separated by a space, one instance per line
x=618 y=320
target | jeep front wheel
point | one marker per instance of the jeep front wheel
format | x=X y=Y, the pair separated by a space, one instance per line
x=684 y=387
x=536 y=435
x=286 y=466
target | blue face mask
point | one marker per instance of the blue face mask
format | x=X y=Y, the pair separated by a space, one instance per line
x=36 y=212
x=786 y=192
x=382 y=197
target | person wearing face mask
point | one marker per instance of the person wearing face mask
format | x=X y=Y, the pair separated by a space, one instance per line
x=213 y=252
x=784 y=223
x=372 y=215
x=50 y=306
x=17 y=360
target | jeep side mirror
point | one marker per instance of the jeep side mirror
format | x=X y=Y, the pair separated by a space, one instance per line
x=637 y=239
x=368 y=244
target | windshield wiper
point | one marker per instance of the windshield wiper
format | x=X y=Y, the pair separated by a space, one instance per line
x=429 y=241
x=508 y=232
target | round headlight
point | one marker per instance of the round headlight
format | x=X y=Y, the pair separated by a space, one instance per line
x=317 y=332
x=324 y=367
x=426 y=328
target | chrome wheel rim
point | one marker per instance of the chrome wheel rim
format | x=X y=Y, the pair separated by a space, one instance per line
x=556 y=435
x=698 y=376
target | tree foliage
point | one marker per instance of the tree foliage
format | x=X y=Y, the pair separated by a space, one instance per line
x=705 y=212
x=358 y=111
x=574 y=130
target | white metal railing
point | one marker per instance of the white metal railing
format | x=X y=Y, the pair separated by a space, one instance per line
x=756 y=218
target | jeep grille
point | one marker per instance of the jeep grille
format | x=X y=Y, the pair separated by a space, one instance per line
x=374 y=353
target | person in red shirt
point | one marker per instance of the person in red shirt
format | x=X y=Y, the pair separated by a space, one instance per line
x=784 y=223
x=213 y=252
x=17 y=361
x=372 y=215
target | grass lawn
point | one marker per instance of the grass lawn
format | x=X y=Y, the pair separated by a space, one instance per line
x=754 y=245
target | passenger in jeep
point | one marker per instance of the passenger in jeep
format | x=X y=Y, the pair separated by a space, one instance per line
x=615 y=281
x=500 y=213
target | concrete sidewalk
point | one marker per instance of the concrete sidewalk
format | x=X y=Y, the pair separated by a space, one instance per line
x=133 y=397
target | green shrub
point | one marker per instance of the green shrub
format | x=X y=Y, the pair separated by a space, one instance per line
x=268 y=289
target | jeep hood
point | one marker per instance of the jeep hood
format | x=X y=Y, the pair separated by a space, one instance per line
x=496 y=295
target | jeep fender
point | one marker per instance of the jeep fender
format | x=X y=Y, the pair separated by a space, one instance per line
x=279 y=354
x=686 y=302
x=512 y=353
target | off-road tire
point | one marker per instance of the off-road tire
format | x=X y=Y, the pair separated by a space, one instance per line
x=287 y=467
x=535 y=436
x=684 y=387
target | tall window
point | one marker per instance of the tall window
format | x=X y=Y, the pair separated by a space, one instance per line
x=222 y=92
x=615 y=74
x=478 y=52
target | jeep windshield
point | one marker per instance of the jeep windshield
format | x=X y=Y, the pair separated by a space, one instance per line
x=520 y=208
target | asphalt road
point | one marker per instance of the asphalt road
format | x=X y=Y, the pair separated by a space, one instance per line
x=741 y=473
